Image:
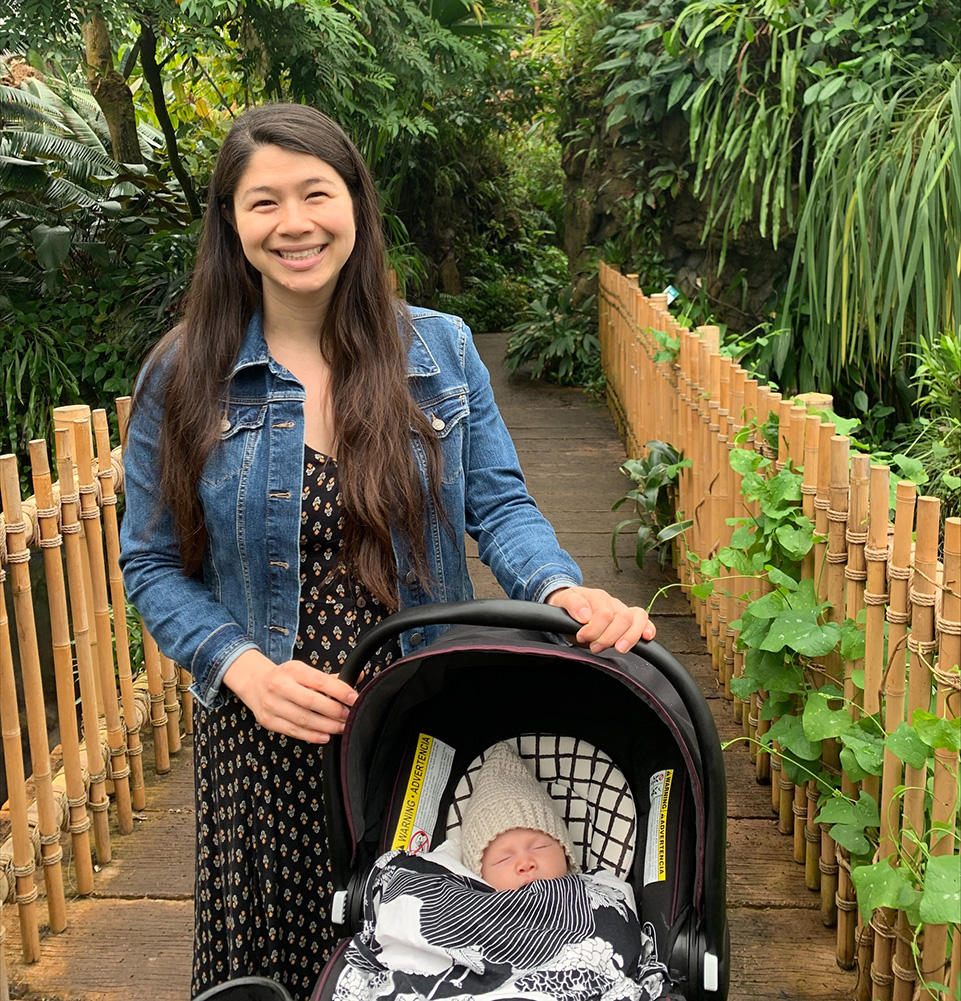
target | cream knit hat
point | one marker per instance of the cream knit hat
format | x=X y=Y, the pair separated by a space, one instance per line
x=506 y=795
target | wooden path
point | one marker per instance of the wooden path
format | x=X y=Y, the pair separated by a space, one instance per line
x=131 y=940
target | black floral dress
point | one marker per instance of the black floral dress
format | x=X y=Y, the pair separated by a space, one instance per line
x=262 y=897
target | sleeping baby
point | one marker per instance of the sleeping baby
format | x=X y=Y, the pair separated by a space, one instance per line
x=506 y=913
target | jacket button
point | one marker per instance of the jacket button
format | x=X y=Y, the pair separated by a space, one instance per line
x=410 y=577
x=437 y=424
x=225 y=425
x=416 y=639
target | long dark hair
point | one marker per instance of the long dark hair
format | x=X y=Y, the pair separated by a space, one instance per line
x=373 y=413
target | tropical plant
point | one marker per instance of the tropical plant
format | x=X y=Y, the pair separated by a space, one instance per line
x=880 y=232
x=834 y=126
x=653 y=497
x=558 y=339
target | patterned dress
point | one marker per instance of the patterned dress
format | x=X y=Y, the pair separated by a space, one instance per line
x=262 y=898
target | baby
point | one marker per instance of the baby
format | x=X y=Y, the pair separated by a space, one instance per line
x=436 y=926
x=511 y=833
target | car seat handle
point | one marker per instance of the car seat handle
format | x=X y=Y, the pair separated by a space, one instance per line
x=506 y=612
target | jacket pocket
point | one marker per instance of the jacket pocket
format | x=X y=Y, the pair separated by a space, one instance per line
x=447 y=414
x=234 y=451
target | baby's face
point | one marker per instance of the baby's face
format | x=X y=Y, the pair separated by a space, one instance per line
x=519 y=856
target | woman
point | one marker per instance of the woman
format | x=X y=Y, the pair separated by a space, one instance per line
x=301 y=417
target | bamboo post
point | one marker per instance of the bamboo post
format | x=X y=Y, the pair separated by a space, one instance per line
x=748 y=416
x=835 y=557
x=51 y=542
x=855 y=573
x=763 y=763
x=921 y=643
x=70 y=527
x=170 y=673
x=18 y=557
x=694 y=454
x=111 y=529
x=807 y=834
x=935 y=959
x=93 y=532
x=151 y=655
x=63 y=418
x=790 y=802
x=680 y=442
x=893 y=682
x=821 y=505
x=23 y=862
x=753 y=716
x=783 y=433
x=734 y=583
x=875 y=598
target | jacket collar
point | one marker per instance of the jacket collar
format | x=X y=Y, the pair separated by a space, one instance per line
x=253 y=351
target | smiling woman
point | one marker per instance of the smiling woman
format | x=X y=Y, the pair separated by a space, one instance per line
x=323 y=450
x=294 y=217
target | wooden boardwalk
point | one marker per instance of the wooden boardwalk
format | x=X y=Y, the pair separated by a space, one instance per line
x=131 y=940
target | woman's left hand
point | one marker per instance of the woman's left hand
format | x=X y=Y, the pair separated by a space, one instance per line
x=606 y=620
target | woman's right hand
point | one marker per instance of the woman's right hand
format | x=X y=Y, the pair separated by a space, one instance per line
x=292 y=698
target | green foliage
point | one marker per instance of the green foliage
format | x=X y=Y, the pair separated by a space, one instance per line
x=558 y=339
x=835 y=126
x=786 y=635
x=653 y=498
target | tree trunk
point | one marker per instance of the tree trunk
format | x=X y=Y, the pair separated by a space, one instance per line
x=151 y=72
x=109 y=88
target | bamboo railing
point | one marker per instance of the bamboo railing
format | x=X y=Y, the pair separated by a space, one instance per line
x=73 y=523
x=866 y=569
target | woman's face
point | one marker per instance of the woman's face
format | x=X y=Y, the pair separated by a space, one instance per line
x=519 y=856
x=295 y=219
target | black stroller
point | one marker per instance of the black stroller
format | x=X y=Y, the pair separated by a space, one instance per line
x=659 y=815
x=642 y=709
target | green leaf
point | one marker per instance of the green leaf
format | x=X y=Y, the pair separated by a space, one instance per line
x=851 y=837
x=781 y=579
x=937 y=733
x=703 y=591
x=804 y=599
x=861 y=401
x=52 y=244
x=789 y=731
x=796 y=541
x=910 y=902
x=821 y=721
x=841 y=810
x=743 y=688
x=678 y=90
x=768 y=606
x=941 y=894
x=852 y=641
x=905 y=744
x=743 y=537
x=879 y=885
x=911 y=469
x=744 y=461
x=863 y=753
x=800 y=631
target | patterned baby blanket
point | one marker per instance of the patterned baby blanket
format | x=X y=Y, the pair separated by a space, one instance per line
x=433 y=930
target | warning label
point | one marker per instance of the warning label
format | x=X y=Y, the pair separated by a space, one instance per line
x=655 y=856
x=428 y=777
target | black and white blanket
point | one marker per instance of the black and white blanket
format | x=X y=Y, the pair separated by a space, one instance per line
x=433 y=930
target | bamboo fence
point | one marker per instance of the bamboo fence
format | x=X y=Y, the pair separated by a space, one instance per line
x=867 y=569
x=73 y=523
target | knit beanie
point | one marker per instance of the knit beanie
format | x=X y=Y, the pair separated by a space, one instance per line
x=506 y=795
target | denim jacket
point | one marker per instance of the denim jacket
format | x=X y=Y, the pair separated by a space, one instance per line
x=247 y=594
